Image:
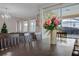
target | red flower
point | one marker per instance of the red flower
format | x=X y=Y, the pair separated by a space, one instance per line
x=56 y=22
x=53 y=18
x=48 y=22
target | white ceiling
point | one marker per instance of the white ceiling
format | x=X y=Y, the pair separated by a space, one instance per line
x=22 y=9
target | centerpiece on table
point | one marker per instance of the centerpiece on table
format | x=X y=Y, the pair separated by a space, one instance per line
x=51 y=25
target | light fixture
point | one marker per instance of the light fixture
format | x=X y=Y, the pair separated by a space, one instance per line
x=5 y=15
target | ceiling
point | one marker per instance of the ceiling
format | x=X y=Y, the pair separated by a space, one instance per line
x=22 y=9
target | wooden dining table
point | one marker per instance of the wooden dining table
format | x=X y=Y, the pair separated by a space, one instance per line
x=43 y=48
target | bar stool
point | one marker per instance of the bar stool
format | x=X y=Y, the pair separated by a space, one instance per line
x=38 y=36
x=1 y=44
x=14 y=39
x=75 y=53
x=29 y=39
x=3 y=41
x=26 y=35
x=33 y=36
x=76 y=48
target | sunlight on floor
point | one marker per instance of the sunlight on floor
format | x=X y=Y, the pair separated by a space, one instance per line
x=8 y=54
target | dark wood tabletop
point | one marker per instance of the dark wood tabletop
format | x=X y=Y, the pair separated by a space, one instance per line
x=42 y=48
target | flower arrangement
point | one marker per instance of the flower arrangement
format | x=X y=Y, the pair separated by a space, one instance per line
x=51 y=23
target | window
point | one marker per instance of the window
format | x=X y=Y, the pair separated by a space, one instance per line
x=67 y=14
x=32 y=25
x=70 y=10
x=70 y=23
x=25 y=26
x=71 y=26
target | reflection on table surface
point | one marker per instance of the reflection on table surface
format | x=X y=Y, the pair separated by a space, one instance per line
x=42 y=48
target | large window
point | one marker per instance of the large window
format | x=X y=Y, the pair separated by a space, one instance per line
x=66 y=13
x=71 y=26
x=25 y=24
x=32 y=26
x=70 y=23
x=70 y=10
